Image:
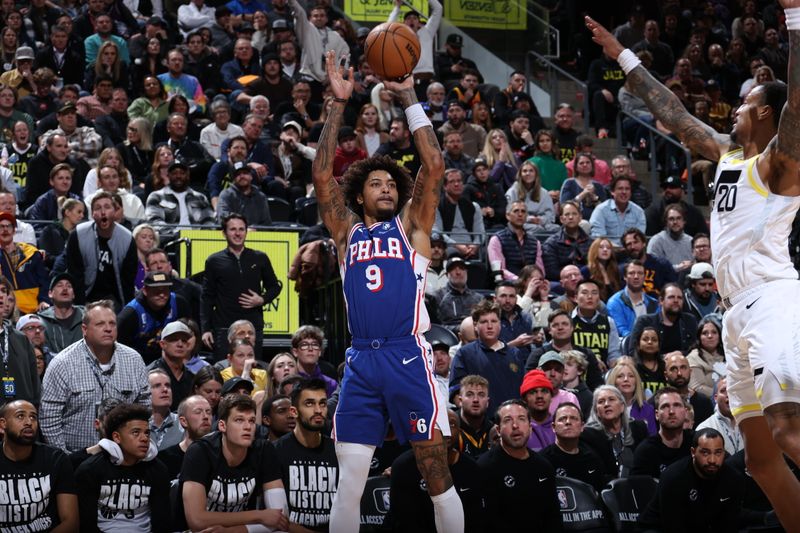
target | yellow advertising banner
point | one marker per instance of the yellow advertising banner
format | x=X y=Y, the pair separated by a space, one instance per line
x=282 y=315
x=378 y=10
x=491 y=14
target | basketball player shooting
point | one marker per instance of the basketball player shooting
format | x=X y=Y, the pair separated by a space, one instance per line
x=755 y=200
x=381 y=222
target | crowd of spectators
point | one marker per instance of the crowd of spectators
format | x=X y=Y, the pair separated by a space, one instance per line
x=577 y=328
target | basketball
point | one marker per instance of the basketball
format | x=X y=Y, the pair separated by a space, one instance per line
x=392 y=50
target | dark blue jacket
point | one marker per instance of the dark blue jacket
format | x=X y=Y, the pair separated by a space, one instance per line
x=503 y=369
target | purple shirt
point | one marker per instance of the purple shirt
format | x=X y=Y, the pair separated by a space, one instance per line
x=330 y=383
x=542 y=435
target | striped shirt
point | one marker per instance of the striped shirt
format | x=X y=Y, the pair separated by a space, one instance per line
x=75 y=384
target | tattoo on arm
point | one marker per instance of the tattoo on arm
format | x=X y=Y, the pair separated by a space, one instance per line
x=667 y=108
x=332 y=207
x=788 y=138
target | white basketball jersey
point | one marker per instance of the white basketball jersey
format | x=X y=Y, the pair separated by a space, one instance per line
x=750 y=227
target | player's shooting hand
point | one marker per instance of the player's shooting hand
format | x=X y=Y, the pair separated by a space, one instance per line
x=399 y=86
x=275 y=519
x=611 y=46
x=250 y=299
x=341 y=85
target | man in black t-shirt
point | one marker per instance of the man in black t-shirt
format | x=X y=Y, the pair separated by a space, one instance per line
x=36 y=480
x=569 y=456
x=475 y=424
x=224 y=474
x=194 y=415
x=307 y=458
x=520 y=485
x=671 y=443
x=124 y=487
x=401 y=146
x=698 y=493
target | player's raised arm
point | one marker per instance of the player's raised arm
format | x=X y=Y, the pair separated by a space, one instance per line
x=781 y=159
x=662 y=102
x=330 y=199
x=420 y=212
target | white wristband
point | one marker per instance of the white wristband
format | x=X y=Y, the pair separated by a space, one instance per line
x=416 y=118
x=792 y=18
x=628 y=60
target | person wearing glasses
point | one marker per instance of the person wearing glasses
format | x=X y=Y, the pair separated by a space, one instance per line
x=307 y=344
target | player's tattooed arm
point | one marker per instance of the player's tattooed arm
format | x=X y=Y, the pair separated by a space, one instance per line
x=662 y=102
x=788 y=138
x=667 y=108
x=428 y=182
x=330 y=199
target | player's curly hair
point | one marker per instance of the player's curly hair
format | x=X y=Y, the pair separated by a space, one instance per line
x=356 y=175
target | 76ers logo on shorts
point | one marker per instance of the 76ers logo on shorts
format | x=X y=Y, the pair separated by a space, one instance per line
x=417 y=425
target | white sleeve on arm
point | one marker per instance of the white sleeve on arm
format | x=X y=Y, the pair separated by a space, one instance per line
x=276 y=499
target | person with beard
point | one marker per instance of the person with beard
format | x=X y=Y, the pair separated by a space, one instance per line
x=381 y=233
x=244 y=198
x=306 y=454
x=472 y=135
x=537 y=392
x=700 y=297
x=435 y=106
x=674 y=193
x=400 y=146
x=672 y=243
x=473 y=424
x=697 y=493
x=569 y=456
x=516 y=478
x=225 y=473
x=41 y=472
x=671 y=443
x=515 y=326
x=566 y=134
x=677 y=330
x=657 y=271
x=411 y=509
x=124 y=487
x=455 y=301
x=194 y=416
x=109 y=273
x=677 y=373
x=722 y=420
x=177 y=203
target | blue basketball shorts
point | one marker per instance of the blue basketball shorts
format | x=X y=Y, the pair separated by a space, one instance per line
x=389 y=380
